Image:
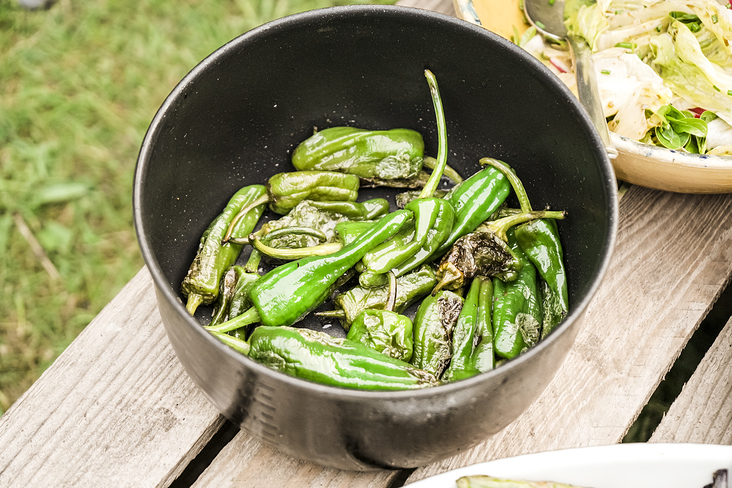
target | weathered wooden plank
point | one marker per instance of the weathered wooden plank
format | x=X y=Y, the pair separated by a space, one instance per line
x=702 y=413
x=441 y=6
x=671 y=261
x=116 y=409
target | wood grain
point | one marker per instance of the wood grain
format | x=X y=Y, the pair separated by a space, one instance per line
x=116 y=409
x=702 y=413
x=672 y=260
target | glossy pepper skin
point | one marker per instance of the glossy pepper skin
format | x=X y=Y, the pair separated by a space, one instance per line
x=288 y=292
x=484 y=358
x=319 y=357
x=213 y=259
x=394 y=154
x=539 y=239
x=234 y=294
x=286 y=190
x=474 y=200
x=387 y=332
x=410 y=287
x=517 y=315
x=433 y=326
x=413 y=245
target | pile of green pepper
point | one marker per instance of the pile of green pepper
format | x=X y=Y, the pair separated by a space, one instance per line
x=487 y=281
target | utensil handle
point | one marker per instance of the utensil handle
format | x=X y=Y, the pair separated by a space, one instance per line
x=589 y=94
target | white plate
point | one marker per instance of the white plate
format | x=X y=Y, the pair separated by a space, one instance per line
x=637 y=465
x=639 y=164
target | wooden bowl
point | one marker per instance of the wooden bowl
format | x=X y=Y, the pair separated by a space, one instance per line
x=637 y=163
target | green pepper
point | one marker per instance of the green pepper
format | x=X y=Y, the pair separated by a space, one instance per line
x=410 y=288
x=383 y=154
x=433 y=217
x=213 y=259
x=349 y=230
x=289 y=292
x=384 y=330
x=233 y=297
x=463 y=337
x=517 y=315
x=474 y=200
x=485 y=252
x=319 y=357
x=484 y=358
x=539 y=240
x=402 y=199
x=433 y=326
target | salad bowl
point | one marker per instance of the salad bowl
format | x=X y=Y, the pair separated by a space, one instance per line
x=637 y=163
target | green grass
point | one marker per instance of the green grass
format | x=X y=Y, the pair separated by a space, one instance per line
x=79 y=84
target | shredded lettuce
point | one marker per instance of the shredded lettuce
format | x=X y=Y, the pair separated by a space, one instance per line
x=657 y=59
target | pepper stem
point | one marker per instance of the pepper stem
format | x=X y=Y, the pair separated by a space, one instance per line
x=501 y=226
x=231 y=341
x=333 y=314
x=434 y=180
x=252 y=264
x=291 y=254
x=230 y=230
x=518 y=186
x=251 y=316
x=449 y=171
x=194 y=300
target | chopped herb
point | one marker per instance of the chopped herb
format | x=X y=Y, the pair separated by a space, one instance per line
x=729 y=92
x=540 y=25
x=605 y=72
x=715 y=19
x=626 y=45
x=716 y=87
x=658 y=28
x=551 y=2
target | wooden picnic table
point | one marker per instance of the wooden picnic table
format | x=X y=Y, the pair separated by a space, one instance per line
x=116 y=409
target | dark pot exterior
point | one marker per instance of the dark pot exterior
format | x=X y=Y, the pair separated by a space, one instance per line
x=235 y=119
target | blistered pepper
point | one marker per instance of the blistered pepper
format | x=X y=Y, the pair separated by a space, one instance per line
x=233 y=297
x=433 y=326
x=384 y=330
x=433 y=218
x=289 y=292
x=539 y=240
x=410 y=288
x=517 y=315
x=394 y=154
x=485 y=252
x=213 y=259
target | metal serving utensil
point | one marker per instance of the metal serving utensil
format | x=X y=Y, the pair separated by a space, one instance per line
x=548 y=18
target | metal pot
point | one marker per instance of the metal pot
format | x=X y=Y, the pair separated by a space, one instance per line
x=234 y=120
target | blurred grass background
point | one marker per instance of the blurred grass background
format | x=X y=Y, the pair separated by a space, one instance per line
x=79 y=84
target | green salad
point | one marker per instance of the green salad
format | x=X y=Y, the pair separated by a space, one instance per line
x=664 y=68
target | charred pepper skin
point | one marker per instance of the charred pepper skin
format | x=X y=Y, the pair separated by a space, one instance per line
x=324 y=359
x=394 y=154
x=286 y=190
x=517 y=315
x=234 y=294
x=433 y=326
x=463 y=337
x=213 y=259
